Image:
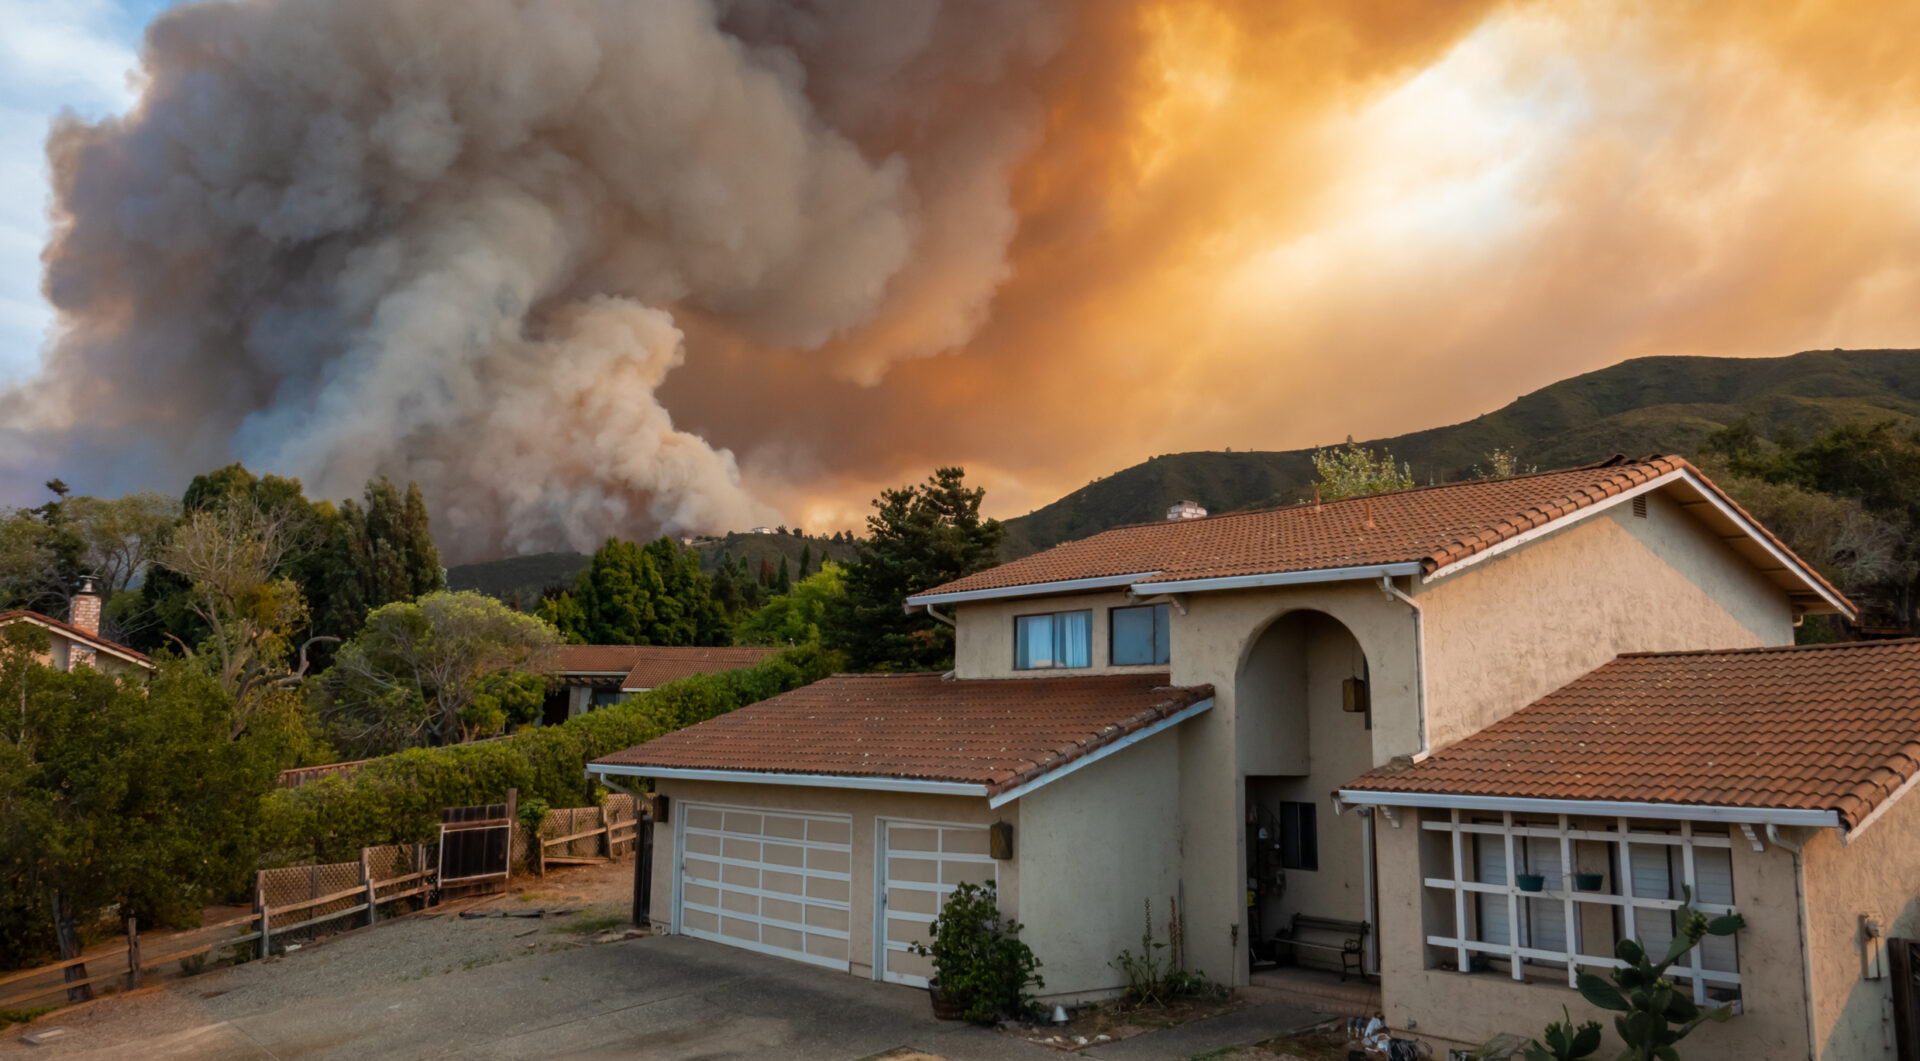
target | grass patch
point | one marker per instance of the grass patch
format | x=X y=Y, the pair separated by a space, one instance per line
x=586 y=926
x=22 y=1016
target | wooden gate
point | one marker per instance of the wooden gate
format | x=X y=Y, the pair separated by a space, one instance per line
x=1904 y=957
x=476 y=843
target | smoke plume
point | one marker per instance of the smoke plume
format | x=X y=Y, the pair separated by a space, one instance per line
x=488 y=245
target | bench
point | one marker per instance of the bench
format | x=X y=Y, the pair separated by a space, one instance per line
x=1348 y=942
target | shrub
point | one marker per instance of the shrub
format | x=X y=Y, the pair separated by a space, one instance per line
x=978 y=959
x=396 y=799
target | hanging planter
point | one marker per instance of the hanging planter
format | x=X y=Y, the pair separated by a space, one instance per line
x=1531 y=882
x=1588 y=882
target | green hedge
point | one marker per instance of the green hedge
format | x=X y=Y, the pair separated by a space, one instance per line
x=397 y=799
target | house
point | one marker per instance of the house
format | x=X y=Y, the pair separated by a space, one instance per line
x=591 y=676
x=1320 y=711
x=76 y=643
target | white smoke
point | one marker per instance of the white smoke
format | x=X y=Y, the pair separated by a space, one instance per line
x=446 y=240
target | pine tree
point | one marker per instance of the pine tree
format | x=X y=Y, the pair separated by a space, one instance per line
x=783 y=582
x=806 y=560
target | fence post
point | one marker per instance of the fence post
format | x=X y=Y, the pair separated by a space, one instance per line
x=606 y=833
x=133 y=953
x=261 y=948
x=366 y=878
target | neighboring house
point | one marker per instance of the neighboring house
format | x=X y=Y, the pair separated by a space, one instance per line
x=1214 y=711
x=79 y=642
x=592 y=676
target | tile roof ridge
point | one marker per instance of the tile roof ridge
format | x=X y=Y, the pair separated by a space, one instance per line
x=72 y=631
x=1749 y=650
x=1615 y=463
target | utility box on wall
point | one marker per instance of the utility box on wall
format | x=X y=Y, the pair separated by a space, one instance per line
x=1000 y=840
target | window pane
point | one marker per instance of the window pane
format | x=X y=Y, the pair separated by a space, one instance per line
x=1033 y=641
x=1132 y=635
x=1490 y=867
x=1161 y=654
x=1713 y=883
x=1299 y=846
x=1075 y=631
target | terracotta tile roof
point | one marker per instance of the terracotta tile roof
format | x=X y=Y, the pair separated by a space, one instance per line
x=656 y=665
x=999 y=733
x=1818 y=727
x=1433 y=526
x=72 y=632
x=647 y=666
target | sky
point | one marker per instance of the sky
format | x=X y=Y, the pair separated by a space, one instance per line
x=586 y=269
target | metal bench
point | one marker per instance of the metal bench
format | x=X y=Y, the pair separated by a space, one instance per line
x=1350 y=944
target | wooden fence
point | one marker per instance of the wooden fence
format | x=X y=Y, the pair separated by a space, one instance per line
x=317 y=894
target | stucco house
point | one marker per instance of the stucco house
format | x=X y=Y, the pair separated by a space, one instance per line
x=1360 y=711
x=78 y=643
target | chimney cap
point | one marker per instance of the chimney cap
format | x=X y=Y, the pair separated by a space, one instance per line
x=87 y=587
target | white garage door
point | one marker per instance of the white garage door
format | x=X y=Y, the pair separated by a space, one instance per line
x=922 y=862
x=769 y=881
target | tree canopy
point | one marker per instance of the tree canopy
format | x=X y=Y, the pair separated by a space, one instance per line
x=1352 y=470
x=796 y=617
x=632 y=594
x=447 y=668
x=918 y=537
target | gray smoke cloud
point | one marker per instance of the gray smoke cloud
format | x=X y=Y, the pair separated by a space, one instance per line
x=458 y=241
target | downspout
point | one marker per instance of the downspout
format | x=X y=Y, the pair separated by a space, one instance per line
x=938 y=618
x=1806 y=956
x=1419 y=661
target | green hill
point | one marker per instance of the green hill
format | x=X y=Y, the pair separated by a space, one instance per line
x=524 y=577
x=1649 y=405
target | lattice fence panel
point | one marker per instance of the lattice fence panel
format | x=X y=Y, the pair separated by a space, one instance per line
x=392 y=862
x=293 y=884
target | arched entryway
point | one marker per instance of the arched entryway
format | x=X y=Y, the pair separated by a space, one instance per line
x=1304 y=714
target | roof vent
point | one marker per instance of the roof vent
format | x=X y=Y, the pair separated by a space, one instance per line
x=1640 y=506
x=1186 y=510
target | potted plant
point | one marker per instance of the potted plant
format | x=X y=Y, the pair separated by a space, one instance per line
x=1588 y=882
x=981 y=969
x=1531 y=882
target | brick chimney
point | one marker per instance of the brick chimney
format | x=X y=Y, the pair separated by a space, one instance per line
x=86 y=608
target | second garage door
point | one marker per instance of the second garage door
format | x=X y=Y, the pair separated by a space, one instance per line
x=921 y=864
x=770 y=881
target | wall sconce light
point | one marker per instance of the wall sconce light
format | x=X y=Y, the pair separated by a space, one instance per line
x=1353 y=693
x=1000 y=840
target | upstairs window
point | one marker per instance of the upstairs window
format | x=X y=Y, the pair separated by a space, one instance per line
x=1044 y=642
x=1138 y=635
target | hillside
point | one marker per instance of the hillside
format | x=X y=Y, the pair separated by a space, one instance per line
x=1648 y=405
x=526 y=576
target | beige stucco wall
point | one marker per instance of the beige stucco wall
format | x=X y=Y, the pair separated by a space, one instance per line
x=1449 y=1008
x=1876 y=874
x=1094 y=847
x=864 y=808
x=1506 y=631
x=983 y=635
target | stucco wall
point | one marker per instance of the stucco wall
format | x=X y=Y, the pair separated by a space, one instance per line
x=1210 y=644
x=1450 y=1008
x=1877 y=874
x=1094 y=847
x=983 y=638
x=863 y=808
x=1506 y=631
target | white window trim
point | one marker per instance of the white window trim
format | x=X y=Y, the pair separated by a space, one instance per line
x=1571 y=898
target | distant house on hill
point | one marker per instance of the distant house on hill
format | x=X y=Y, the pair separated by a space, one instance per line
x=592 y=676
x=78 y=643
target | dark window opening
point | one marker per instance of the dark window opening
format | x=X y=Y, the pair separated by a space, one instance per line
x=1299 y=841
x=1138 y=635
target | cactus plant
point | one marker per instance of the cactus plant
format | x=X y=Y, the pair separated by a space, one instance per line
x=1654 y=1014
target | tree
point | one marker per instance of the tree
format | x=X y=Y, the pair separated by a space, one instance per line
x=783 y=582
x=1352 y=470
x=640 y=595
x=118 y=796
x=439 y=670
x=919 y=537
x=795 y=618
x=806 y=560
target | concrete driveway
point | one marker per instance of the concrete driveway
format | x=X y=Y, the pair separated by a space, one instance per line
x=428 y=987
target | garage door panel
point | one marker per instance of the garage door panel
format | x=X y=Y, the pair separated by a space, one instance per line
x=767 y=882
x=828 y=831
x=923 y=863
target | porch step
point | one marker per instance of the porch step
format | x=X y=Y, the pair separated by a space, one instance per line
x=1351 y=998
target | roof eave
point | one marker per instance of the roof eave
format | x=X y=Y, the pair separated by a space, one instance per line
x=1032 y=589
x=1698 y=812
x=1360 y=573
x=1028 y=787
x=761 y=777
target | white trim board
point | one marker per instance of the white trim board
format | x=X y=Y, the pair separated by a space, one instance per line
x=1032 y=589
x=1364 y=573
x=1814 y=819
x=757 y=777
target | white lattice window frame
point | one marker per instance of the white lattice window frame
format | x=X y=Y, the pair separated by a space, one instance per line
x=1458 y=833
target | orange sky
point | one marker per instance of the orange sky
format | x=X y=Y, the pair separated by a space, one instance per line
x=1275 y=226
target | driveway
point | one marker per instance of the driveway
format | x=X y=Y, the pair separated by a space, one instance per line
x=429 y=986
